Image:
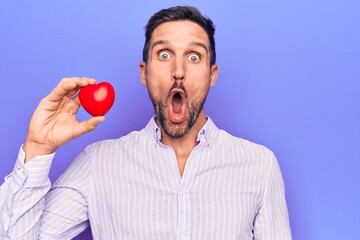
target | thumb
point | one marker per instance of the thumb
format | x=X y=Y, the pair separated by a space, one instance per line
x=88 y=125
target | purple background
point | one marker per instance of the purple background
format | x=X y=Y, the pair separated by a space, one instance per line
x=289 y=79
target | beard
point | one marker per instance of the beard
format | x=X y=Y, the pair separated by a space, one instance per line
x=177 y=130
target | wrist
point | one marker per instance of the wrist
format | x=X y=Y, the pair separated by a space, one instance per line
x=33 y=149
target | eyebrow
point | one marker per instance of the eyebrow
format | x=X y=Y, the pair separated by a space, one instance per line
x=164 y=42
x=159 y=42
x=199 y=44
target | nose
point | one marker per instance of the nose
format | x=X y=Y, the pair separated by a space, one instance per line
x=178 y=71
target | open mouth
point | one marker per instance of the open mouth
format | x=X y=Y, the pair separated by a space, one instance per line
x=177 y=106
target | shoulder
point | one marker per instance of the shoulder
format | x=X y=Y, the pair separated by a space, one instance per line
x=132 y=140
x=253 y=157
x=242 y=145
x=250 y=158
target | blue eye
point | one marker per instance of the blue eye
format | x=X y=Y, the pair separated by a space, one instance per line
x=164 y=55
x=194 y=58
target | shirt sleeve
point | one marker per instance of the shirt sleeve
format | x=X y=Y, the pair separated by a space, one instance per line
x=31 y=210
x=22 y=197
x=66 y=210
x=272 y=220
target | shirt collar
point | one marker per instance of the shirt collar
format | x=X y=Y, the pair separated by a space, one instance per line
x=206 y=134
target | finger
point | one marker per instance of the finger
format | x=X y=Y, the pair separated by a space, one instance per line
x=90 y=81
x=76 y=99
x=69 y=86
x=73 y=92
x=88 y=125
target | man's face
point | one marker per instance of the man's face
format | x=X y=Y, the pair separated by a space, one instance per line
x=178 y=75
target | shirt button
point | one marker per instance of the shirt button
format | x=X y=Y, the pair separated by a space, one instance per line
x=182 y=194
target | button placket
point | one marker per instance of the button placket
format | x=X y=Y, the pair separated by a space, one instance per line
x=184 y=193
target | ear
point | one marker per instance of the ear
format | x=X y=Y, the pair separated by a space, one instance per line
x=213 y=74
x=142 y=69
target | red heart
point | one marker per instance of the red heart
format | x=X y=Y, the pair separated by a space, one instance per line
x=97 y=99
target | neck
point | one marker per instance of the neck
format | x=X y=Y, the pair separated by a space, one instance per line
x=184 y=145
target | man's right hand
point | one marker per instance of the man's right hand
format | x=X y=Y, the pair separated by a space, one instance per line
x=54 y=120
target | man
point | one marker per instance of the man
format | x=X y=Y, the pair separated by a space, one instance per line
x=178 y=178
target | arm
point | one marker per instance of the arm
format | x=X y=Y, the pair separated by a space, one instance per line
x=272 y=221
x=66 y=204
x=22 y=196
x=31 y=211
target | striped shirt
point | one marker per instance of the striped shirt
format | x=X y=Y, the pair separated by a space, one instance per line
x=131 y=188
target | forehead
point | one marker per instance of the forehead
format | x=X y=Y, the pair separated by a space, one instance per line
x=177 y=32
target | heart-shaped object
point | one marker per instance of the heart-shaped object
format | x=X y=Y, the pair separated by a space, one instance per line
x=97 y=99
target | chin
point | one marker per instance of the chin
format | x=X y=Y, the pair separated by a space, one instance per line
x=176 y=130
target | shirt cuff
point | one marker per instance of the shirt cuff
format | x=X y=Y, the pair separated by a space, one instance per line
x=34 y=172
